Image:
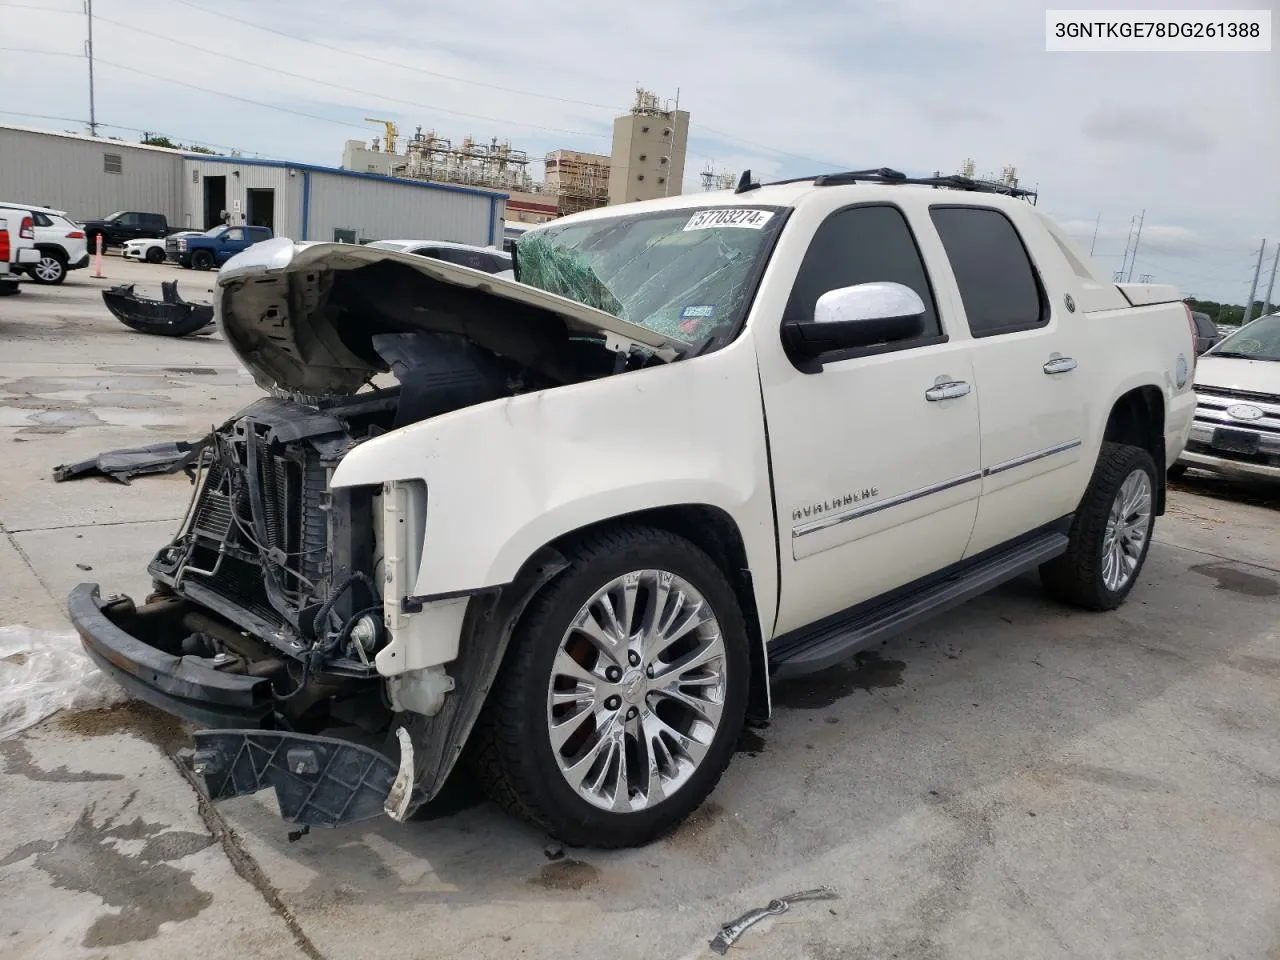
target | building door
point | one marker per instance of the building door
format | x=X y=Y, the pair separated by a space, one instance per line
x=215 y=201
x=261 y=204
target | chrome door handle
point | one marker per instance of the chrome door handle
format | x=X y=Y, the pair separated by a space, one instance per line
x=947 y=391
x=1060 y=365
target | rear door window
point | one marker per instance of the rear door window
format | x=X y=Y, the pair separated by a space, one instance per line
x=999 y=286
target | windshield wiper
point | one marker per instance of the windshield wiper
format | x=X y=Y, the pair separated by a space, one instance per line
x=1233 y=355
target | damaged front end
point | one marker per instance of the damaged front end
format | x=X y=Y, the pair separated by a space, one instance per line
x=283 y=619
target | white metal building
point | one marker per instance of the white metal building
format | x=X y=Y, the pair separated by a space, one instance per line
x=91 y=177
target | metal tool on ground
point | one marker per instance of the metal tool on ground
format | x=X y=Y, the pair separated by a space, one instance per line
x=730 y=932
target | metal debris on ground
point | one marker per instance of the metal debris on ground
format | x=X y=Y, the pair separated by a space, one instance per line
x=130 y=462
x=730 y=932
x=553 y=851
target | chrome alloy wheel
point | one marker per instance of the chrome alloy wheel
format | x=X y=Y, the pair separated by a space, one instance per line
x=1128 y=526
x=636 y=692
x=48 y=269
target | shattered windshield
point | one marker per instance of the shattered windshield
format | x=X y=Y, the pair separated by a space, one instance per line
x=1259 y=340
x=686 y=274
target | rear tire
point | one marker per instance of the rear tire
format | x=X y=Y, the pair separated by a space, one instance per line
x=639 y=752
x=1110 y=533
x=9 y=287
x=202 y=260
x=155 y=255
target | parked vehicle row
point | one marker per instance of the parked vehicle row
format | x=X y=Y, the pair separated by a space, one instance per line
x=59 y=241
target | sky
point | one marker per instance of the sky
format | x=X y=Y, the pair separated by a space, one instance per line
x=782 y=89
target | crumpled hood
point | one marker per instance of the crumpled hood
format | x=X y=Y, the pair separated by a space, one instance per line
x=301 y=315
x=1231 y=373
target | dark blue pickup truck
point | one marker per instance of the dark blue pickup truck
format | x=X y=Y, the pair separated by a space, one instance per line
x=209 y=250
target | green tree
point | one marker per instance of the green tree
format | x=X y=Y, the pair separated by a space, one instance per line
x=158 y=140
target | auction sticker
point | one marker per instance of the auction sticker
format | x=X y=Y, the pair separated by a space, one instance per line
x=729 y=217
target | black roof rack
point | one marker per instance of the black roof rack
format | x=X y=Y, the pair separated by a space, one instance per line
x=888 y=175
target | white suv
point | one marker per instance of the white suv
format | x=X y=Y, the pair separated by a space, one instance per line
x=59 y=240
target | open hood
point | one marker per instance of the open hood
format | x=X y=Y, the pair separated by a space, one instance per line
x=301 y=316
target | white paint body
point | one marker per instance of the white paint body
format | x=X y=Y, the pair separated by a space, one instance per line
x=741 y=429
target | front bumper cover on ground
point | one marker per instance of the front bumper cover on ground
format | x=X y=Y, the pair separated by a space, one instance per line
x=186 y=686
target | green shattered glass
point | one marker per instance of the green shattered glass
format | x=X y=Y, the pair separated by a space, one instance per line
x=689 y=285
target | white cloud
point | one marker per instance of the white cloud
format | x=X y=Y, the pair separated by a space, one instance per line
x=915 y=84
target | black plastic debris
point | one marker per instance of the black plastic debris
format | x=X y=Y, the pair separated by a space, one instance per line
x=731 y=931
x=170 y=316
x=124 y=464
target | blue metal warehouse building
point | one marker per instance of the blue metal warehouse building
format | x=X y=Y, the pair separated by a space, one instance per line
x=91 y=177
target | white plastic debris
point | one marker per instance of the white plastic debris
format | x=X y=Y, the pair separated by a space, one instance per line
x=44 y=671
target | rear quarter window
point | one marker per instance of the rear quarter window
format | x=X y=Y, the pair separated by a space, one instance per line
x=998 y=284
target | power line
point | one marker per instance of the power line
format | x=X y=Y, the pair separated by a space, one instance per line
x=723 y=135
x=390 y=63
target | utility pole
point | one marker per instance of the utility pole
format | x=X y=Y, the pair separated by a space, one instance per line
x=1095 y=233
x=1266 y=301
x=93 y=117
x=1124 y=261
x=1136 y=241
x=1253 y=287
x=671 y=160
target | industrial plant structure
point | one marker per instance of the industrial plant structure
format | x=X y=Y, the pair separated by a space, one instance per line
x=647 y=161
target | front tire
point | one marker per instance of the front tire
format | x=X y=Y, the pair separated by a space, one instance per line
x=202 y=260
x=155 y=255
x=1110 y=534
x=619 y=703
x=49 y=270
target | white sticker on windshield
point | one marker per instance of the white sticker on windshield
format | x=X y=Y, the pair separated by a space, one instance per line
x=728 y=217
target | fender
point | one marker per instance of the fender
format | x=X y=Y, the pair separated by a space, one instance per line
x=507 y=477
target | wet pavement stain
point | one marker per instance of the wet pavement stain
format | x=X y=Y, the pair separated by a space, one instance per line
x=868 y=671
x=1264 y=667
x=750 y=743
x=566 y=875
x=129 y=401
x=19 y=762
x=154 y=726
x=41 y=385
x=67 y=419
x=145 y=888
x=1237 y=581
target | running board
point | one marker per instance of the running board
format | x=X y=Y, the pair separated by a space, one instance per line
x=839 y=637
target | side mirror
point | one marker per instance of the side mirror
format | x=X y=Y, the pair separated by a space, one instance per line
x=859 y=316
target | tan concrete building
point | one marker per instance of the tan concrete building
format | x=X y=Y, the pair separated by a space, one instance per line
x=579 y=181
x=648 y=151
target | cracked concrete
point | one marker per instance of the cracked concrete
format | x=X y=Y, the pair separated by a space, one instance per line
x=1015 y=780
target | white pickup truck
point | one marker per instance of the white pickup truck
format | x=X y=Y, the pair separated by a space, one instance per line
x=568 y=528
x=17 y=247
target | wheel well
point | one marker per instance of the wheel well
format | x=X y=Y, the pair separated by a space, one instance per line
x=715 y=533
x=1137 y=418
x=52 y=248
